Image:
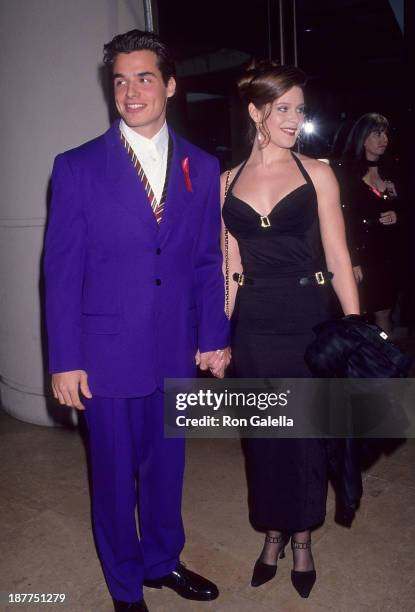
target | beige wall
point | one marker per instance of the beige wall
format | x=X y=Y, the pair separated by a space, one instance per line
x=52 y=100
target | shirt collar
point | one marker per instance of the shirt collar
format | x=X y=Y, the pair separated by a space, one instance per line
x=147 y=146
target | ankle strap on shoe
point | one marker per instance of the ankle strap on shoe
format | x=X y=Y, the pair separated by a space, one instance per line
x=300 y=545
x=274 y=539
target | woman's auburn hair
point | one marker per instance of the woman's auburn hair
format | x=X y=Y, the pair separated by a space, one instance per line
x=263 y=82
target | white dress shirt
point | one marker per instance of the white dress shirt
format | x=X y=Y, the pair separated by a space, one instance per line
x=151 y=153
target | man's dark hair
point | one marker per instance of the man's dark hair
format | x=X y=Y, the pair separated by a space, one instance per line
x=137 y=40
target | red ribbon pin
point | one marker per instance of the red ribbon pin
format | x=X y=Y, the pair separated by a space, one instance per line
x=185 y=168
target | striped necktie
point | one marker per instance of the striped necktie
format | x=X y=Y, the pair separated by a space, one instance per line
x=157 y=207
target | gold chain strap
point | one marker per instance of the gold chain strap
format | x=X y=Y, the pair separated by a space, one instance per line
x=228 y=175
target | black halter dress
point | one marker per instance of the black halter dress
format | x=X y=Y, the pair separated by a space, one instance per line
x=271 y=327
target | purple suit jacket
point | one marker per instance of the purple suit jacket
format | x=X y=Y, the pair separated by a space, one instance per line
x=127 y=300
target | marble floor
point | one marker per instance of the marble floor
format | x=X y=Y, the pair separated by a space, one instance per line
x=46 y=543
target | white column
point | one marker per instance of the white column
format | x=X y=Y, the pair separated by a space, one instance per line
x=52 y=100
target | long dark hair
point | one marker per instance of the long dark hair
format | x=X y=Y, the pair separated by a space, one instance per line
x=262 y=83
x=354 y=150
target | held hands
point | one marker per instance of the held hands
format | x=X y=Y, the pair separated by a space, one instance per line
x=66 y=387
x=388 y=218
x=215 y=361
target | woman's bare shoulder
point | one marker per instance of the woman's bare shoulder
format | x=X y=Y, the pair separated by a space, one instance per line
x=227 y=177
x=232 y=171
x=318 y=169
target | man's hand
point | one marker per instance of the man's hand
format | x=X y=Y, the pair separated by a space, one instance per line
x=215 y=361
x=66 y=387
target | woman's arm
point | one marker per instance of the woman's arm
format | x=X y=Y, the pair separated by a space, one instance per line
x=334 y=238
x=231 y=258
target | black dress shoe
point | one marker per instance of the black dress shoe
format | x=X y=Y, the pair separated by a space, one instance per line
x=303 y=582
x=187 y=584
x=130 y=606
x=264 y=572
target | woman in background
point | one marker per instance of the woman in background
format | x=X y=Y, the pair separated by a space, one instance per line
x=279 y=207
x=370 y=203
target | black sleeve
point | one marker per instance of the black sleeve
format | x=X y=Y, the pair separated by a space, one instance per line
x=349 y=203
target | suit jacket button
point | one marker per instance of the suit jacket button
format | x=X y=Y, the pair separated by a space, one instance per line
x=158 y=251
x=158 y=281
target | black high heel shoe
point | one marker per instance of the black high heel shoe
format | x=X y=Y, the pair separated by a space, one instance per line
x=264 y=572
x=303 y=582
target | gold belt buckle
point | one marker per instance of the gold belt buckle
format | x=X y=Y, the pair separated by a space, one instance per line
x=265 y=222
x=319 y=278
x=240 y=280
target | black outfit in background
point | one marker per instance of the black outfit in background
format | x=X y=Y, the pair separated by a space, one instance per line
x=373 y=246
x=271 y=328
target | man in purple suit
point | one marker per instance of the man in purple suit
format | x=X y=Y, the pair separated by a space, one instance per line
x=134 y=294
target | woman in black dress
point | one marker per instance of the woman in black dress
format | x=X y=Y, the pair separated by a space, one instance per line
x=370 y=202
x=279 y=208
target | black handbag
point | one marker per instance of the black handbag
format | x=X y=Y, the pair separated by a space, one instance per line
x=351 y=347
